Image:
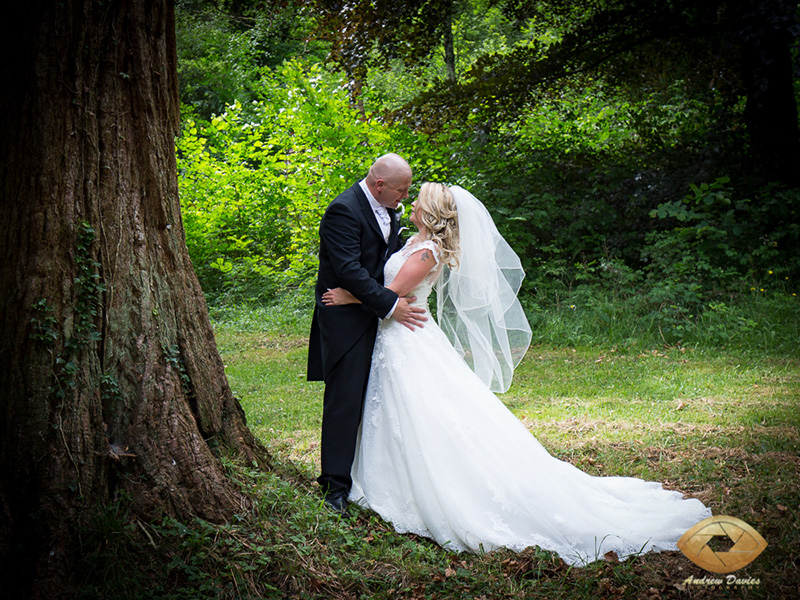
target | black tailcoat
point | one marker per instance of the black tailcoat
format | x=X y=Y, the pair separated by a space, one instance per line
x=352 y=255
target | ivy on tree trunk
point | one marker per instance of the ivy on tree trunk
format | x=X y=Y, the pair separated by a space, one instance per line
x=110 y=380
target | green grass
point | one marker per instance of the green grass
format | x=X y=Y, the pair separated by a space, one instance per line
x=720 y=424
x=766 y=323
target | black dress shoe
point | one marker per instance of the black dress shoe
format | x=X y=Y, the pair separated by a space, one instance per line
x=337 y=501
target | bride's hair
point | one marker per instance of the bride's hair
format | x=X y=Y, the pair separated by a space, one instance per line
x=436 y=210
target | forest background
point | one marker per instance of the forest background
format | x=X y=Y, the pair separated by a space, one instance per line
x=614 y=143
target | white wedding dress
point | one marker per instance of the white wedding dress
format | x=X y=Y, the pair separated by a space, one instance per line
x=439 y=455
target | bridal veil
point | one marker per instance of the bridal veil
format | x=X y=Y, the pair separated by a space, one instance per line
x=477 y=303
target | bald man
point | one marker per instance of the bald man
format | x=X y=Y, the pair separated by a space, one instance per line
x=358 y=233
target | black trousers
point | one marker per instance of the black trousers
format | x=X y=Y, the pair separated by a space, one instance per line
x=342 y=408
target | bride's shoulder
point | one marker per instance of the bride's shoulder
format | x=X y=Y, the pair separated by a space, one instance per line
x=415 y=244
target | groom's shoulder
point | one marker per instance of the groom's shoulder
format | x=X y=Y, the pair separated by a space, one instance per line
x=352 y=194
x=350 y=200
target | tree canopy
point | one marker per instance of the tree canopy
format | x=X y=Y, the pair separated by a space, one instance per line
x=716 y=49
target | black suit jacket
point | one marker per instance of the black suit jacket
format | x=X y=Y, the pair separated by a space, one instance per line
x=352 y=254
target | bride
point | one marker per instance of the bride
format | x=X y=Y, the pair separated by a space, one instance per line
x=439 y=455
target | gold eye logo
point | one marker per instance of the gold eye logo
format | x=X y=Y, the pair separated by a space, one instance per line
x=747 y=544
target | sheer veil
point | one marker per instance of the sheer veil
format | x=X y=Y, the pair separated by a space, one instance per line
x=477 y=302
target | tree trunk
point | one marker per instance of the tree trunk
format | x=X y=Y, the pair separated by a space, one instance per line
x=449 y=50
x=110 y=380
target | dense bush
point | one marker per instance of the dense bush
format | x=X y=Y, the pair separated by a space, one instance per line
x=615 y=201
x=254 y=183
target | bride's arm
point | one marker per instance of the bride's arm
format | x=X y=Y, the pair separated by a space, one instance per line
x=411 y=274
x=338 y=296
x=413 y=271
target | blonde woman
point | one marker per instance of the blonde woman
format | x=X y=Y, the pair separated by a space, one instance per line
x=439 y=455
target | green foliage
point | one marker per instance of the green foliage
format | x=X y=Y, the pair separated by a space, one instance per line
x=700 y=252
x=575 y=186
x=45 y=325
x=223 y=45
x=109 y=390
x=254 y=184
x=87 y=292
x=588 y=115
x=574 y=177
x=569 y=122
x=172 y=355
x=216 y=63
x=478 y=28
x=571 y=174
x=716 y=241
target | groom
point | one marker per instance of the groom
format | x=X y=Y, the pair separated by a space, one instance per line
x=358 y=233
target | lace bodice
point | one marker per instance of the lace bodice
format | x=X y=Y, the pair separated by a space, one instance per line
x=396 y=261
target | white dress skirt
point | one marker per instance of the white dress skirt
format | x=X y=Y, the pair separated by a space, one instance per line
x=439 y=455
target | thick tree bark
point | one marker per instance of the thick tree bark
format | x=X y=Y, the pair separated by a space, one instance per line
x=109 y=375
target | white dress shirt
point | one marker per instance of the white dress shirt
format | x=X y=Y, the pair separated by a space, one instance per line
x=381 y=212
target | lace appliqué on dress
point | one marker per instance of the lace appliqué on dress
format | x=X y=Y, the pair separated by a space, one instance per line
x=441 y=456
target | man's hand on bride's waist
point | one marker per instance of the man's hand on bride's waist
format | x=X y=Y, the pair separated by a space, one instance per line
x=409 y=315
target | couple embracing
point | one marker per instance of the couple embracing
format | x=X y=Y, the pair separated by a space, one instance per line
x=411 y=425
